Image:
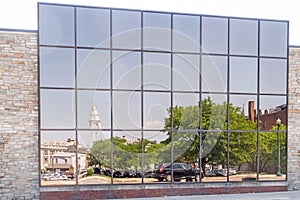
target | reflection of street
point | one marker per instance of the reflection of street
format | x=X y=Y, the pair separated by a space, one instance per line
x=96 y=179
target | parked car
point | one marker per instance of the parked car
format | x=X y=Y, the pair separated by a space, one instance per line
x=55 y=177
x=180 y=171
x=129 y=174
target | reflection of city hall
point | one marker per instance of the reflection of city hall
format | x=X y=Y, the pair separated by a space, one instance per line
x=23 y=153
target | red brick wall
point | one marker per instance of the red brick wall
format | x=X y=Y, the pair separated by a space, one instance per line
x=142 y=193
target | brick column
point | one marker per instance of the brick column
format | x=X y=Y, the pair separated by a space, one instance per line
x=19 y=161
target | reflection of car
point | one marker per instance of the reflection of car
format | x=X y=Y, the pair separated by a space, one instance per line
x=180 y=171
x=55 y=177
x=117 y=174
x=221 y=172
x=129 y=174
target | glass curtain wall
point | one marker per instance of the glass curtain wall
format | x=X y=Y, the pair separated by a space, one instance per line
x=134 y=97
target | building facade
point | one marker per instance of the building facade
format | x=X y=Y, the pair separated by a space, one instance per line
x=35 y=110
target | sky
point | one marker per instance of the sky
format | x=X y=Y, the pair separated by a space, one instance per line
x=22 y=14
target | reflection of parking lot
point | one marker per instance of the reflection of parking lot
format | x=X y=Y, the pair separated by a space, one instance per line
x=96 y=179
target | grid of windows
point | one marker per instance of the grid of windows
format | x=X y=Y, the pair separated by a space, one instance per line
x=122 y=91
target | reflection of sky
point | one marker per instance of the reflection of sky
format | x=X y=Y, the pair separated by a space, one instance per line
x=93 y=66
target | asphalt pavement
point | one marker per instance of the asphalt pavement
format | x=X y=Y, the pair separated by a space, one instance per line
x=290 y=195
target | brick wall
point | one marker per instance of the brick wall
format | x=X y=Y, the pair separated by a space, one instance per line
x=294 y=120
x=19 y=167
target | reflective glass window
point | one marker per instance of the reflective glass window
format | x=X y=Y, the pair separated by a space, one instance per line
x=126 y=29
x=93 y=68
x=93 y=109
x=243 y=75
x=156 y=106
x=57 y=67
x=126 y=68
x=186 y=33
x=273 y=38
x=157 y=31
x=186 y=72
x=243 y=37
x=127 y=110
x=93 y=28
x=157 y=71
x=214 y=73
x=57 y=109
x=273 y=76
x=214 y=35
x=56 y=25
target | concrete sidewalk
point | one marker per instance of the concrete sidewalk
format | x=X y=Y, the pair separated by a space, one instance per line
x=290 y=195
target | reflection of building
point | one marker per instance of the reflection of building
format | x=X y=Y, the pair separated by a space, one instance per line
x=60 y=156
x=268 y=117
x=95 y=123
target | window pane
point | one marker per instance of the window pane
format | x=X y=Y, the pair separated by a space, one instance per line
x=54 y=160
x=273 y=38
x=99 y=156
x=156 y=107
x=126 y=70
x=243 y=75
x=56 y=25
x=214 y=73
x=185 y=111
x=157 y=31
x=271 y=108
x=57 y=109
x=157 y=71
x=243 y=37
x=214 y=35
x=57 y=67
x=242 y=156
x=126 y=29
x=126 y=110
x=93 y=69
x=214 y=112
x=93 y=109
x=127 y=159
x=186 y=33
x=273 y=76
x=214 y=155
x=93 y=27
x=186 y=72
x=272 y=156
x=243 y=112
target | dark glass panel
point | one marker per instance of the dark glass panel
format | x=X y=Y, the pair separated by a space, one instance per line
x=157 y=71
x=56 y=25
x=126 y=29
x=57 y=109
x=127 y=157
x=186 y=72
x=215 y=35
x=99 y=154
x=126 y=70
x=127 y=110
x=93 y=109
x=242 y=156
x=243 y=37
x=243 y=112
x=186 y=111
x=57 y=67
x=273 y=76
x=186 y=33
x=156 y=107
x=214 y=155
x=214 y=73
x=270 y=109
x=214 y=112
x=157 y=31
x=273 y=38
x=272 y=156
x=93 y=28
x=243 y=75
x=58 y=156
x=93 y=68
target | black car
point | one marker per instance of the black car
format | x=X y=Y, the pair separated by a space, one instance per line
x=180 y=171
